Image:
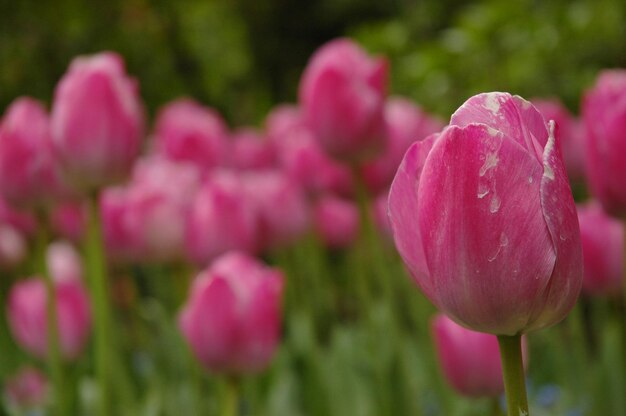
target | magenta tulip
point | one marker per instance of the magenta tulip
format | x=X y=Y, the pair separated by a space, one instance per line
x=222 y=218
x=602 y=239
x=336 y=221
x=342 y=93
x=27 y=389
x=483 y=216
x=301 y=156
x=232 y=318
x=13 y=247
x=97 y=121
x=186 y=131
x=26 y=307
x=29 y=175
x=469 y=360
x=604 y=115
x=281 y=207
x=252 y=151
x=407 y=123
x=69 y=220
x=571 y=133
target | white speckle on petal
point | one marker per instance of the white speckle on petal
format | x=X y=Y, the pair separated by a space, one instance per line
x=494 y=206
x=547 y=153
x=491 y=161
x=492 y=104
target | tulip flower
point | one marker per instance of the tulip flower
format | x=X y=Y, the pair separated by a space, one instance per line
x=342 y=93
x=469 y=360
x=301 y=157
x=68 y=220
x=222 y=218
x=406 y=123
x=13 y=247
x=336 y=221
x=22 y=221
x=602 y=239
x=281 y=207
x=97 y=121
x=27 y=389
x=252 y=151
x=484 y=218
x=571 y=132
x=26 y=307
x=29 y=175
x=604 y=115
x=232 y=317
x=187 y=131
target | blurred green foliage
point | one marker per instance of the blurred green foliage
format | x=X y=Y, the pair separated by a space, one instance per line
x=244 y=56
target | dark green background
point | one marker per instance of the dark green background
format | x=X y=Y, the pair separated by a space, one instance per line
x=244 y=56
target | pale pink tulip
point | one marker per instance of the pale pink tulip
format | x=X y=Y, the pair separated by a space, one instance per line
x=336 y=221
x=27 y=389
x=252 y=151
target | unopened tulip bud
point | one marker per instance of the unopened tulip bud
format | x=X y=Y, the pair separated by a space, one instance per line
x=232 y=318
x=97 y=121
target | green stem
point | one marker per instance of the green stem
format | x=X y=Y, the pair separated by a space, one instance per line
x=97 y=274
x=495 y=407
x=55 y=364
x=513 y=374
x=230 y=400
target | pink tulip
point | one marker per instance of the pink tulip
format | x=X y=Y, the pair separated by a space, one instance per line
x=336 y=221
x=24 y=222
x=252 y=151
x=342 y=93
x=28 y=388
x=571 y=134
x=300 y=155
x=121 y=245
x=602 y=239
x=29 y=175
x=27 y=301
x=604 y=115
x=97 y=120
x=222 y=218
x=232 y=317
x=469 y=360
x=281 y=206
x=484 y=218
x=13 y=247
x=407 y=123
x=188 y=132
x=69 y=220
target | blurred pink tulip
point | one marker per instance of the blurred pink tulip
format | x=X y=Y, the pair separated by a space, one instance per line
x=602 y=239
x=24 y=222
x=29 y=175
x=571 y=133
x=27 y=389
x=469 y=360
x=252 y=151
x=406 y=123
x=281 y=206
x=222 y=218
x=121 y=245
x=189 y=132
x=342 y=93
x=69 y=220
x=336 y=221
x=26 y=307
x=604 y=115
x=484 y=218
x=232 y=318
x=97 y=121
x=13 y=247
x=301 y=156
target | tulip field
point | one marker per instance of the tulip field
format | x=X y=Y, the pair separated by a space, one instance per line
x=353 y=253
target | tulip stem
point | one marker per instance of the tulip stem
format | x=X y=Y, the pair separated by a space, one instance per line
x=99 y=292
x=230 y=403
x=54 y=355
x=513 y=374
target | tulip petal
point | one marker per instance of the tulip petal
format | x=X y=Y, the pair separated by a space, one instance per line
x=562 y=220
x=481 y=220
x=511 y=115
x=403 y=201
